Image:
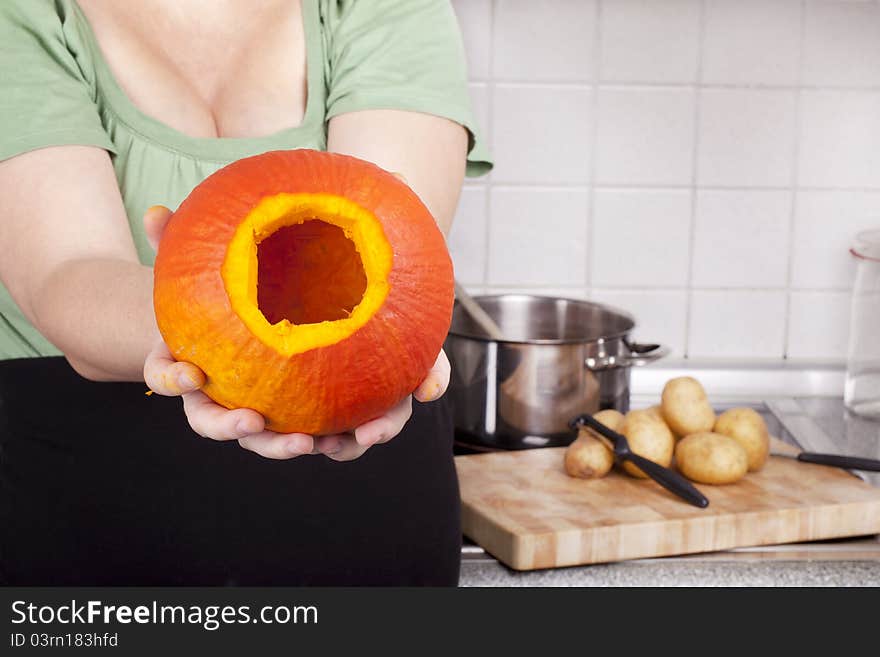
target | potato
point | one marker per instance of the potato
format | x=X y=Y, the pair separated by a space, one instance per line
x=710 y=458
x=588 y=457
x=610 y=418
x=747 y=427
x=648 y=436
x=641 y=415
x=592 y=455
x=656 y=412
x=685 y=407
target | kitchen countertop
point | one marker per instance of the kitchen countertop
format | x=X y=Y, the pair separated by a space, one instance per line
x=848 y=562
x=812 y=423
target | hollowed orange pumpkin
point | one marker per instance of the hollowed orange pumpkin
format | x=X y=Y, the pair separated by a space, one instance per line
x=314 y=288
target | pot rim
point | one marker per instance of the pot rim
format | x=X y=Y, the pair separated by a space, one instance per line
x=551 y=341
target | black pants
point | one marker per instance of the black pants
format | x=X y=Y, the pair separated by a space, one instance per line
x=102 y=485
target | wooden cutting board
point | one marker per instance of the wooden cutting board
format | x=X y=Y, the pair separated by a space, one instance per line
x=522 y=508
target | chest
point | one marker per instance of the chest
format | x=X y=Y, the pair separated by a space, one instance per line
x=238 y=70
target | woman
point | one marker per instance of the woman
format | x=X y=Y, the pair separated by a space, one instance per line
x=108 y=109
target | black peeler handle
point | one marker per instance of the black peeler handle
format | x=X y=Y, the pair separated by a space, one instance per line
x=848 y=462
x=670 y=480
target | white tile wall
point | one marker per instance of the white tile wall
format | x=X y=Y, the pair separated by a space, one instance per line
x=467 y=239
x=703 y=164
x=819 y=335
x=841 y=44
x=537 y=236
x=659 y=314
x=541 y=134
x=573 y=292
x=737 y=324
x=746 y=137
x=741 y=239
x=839 y=139
x=644 y=136
x=649 y=41
x=640 y=238
x=825 y=222
x=550 y=40
x=751 y=42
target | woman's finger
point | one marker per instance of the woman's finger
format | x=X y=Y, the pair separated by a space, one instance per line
x=155 y=220
x=437 y=380
x=340 y=447
x=170 y=377
x=211 y=420
x=384 y=428
x=271 y=445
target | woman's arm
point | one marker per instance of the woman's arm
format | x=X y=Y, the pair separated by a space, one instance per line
x=70 y=263
x=429 y=151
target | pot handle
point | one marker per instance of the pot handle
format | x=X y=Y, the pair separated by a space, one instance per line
x=639 y=354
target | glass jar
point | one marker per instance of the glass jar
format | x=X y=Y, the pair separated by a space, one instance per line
x=862 y=390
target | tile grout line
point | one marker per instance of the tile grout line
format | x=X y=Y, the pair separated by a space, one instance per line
x=667 y=288
x=490 y=139
x=651 y=187
x=590 y=227
x=647 y=84
x=795 y=178
x=753 y=188
x=695 y=153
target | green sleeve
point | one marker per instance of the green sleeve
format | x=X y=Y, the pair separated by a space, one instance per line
x=45 y=100
x=399 y=54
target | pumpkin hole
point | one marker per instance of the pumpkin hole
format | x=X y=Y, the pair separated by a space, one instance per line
x=307 y=273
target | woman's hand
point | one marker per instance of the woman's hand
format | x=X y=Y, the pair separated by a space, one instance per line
x=345 y=447
x=166 y=376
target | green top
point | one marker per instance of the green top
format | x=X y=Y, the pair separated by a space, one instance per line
x=57 y=89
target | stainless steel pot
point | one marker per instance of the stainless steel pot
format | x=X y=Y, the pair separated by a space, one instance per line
x=559 y=358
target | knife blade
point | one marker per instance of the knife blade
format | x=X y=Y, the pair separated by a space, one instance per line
x=835 y=460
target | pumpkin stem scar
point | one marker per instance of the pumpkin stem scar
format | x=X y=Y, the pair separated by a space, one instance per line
x=299 y=235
